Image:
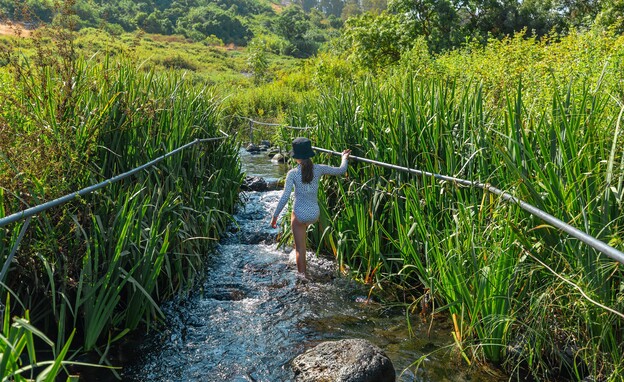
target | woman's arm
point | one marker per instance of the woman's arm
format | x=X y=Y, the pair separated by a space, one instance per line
x=288 y=186
x=329 y=170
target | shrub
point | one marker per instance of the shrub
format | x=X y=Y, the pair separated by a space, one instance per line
x=178 y=62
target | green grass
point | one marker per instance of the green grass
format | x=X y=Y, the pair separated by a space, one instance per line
x=19 y=358
x=540 y=120
x=105 y=262
x=477 y=256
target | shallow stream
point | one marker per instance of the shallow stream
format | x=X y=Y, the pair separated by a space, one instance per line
x=254 y=314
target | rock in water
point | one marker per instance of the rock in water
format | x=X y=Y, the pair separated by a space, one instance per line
x=272 y=151
x=352 y=360
x=279 y=158
x=264 y=145
x=252 y=148
x=254 y=183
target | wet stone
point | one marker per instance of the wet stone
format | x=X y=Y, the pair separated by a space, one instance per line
x=254 y=183
x=351 y=360
x=252 y=148
x=272 y=151
x=226 y=294
x=280 y=158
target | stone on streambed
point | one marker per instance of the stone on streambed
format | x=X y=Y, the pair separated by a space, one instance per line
x=279 y=158
x=272 y=151
x=251 y=148
x=254 y=149
x=352 y=360
x=254 y=183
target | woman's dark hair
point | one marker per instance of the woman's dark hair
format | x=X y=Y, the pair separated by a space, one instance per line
x=307 y=170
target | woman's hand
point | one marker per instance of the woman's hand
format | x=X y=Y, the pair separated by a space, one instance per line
x=346 y=153
x=274 y=222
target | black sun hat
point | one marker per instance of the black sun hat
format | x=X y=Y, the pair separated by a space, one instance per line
x=301 y=148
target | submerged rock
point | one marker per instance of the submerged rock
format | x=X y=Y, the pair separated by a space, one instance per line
x=262 y=146
x=254 y=183
x=352 y=360
x=272 y=151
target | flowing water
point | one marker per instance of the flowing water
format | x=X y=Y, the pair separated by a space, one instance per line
x=254 y=314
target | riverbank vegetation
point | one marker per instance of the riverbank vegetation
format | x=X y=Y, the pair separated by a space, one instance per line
x=97 y=268
x=533 y=108
x=520 y=293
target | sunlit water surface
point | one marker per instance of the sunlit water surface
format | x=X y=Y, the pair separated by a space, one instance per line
x=254 y=314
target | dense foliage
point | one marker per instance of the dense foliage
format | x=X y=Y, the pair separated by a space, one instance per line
x=444 y=24
x=447 y=25
x=214 y=22
x=538 y=119
x=526 y=95
x=98 y=267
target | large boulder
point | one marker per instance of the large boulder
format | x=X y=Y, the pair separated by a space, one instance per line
x=352 y=360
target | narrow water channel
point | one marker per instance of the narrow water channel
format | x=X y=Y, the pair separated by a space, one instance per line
x=254 y=314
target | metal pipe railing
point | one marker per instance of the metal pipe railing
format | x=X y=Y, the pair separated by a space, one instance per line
x=64 y=199
x=572 y=231
x=30 y=212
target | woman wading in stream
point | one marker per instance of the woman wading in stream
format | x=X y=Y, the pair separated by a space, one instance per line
x=305 y=178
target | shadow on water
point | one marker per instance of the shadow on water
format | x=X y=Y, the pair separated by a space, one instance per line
x=254 y=314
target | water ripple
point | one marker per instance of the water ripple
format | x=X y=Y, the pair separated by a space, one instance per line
x=254 y=314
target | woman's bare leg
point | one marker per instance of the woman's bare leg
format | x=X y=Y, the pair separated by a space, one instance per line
x=299 y=233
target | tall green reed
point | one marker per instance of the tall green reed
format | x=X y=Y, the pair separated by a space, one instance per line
x=472 y=253
x=20 y=359
x=106 y=261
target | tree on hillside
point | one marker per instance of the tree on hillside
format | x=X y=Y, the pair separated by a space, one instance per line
x=580 y=13
x=436 y=20
x=88 y=13
x=32 y=11
x=374 y=6
x=612 y=16
x=307 y=5
x=539 y=18
x=202 y=22
x=257 y=60
x=446 y=24
x=155 y=22
x=245 y=7
x=294 y=25
x=351 y=9
x=331 y=7
x=376 y=41
x=122 y=16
